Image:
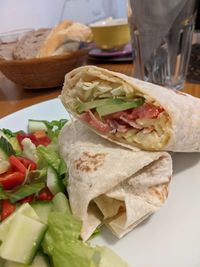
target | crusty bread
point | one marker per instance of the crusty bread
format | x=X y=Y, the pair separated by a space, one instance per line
x=6 y=50
x=65 y=37
x=29 y=45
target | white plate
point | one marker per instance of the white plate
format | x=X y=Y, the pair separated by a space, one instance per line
x=169 y=238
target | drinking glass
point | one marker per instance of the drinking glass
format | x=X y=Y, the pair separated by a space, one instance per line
x=161 y=33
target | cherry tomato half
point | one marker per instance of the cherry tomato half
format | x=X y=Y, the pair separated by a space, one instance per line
x=11 y=179
x=7 y=208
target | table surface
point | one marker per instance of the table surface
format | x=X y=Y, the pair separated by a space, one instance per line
x=13 y=97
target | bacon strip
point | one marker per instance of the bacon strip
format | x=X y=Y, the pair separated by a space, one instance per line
x=122 y=121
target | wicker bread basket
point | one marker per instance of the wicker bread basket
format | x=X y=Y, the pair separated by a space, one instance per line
x=45 y=72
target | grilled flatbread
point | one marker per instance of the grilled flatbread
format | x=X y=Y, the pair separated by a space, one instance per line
x=109 y=184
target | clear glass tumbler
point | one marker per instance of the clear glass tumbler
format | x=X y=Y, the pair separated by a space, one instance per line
x=161 y=33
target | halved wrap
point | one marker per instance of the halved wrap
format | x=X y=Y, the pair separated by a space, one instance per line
x=133 y=113
x=110 y=184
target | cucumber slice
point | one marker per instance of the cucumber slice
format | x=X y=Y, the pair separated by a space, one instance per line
x=42 y=208
x=23 y=239
x=116 y=107
x=36 y=125
x=24 y=209
x=40 y=260
x=54 y=184
x=15 y=144
x=97 y=103
x=61 y=203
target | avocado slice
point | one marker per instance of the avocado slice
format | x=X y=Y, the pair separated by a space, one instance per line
x=115 y=107
x=97 y=103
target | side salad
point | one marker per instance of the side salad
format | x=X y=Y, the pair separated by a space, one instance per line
x=37 y=228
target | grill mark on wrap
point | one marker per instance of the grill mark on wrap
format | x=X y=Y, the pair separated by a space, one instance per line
x=89 y=162
x=160 y=191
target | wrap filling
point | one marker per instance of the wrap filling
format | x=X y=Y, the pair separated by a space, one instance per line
x=118 y=110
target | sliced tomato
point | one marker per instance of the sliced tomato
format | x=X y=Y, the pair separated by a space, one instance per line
x=36 y=139
x=27 y=199
x=28 y=164
x=40 y=134
x=45 y=194
x=7 y=208
x=16 y=164
x=45 y=141
x=11 y=179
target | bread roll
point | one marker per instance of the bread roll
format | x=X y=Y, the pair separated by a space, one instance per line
x=29 y=45
x=65 y=37
x=6 y=50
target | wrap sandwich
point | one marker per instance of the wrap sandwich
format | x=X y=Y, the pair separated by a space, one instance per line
x=133 y=113
x=109 y=184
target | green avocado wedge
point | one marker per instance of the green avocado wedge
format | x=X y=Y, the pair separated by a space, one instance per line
x=116 y=107
x=97 y=103
x=111 y=105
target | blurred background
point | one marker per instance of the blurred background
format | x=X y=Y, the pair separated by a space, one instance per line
x=15 y=14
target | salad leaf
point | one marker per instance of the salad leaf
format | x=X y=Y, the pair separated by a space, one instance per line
x=73 y=254
x=3 y=194
x=6 y=146
x=62 y=243
x=62 y=168
x=53 y=127
x=8 y=133
x=25 y=190
x=50 y=156
x=39 y=173
x=96 y=232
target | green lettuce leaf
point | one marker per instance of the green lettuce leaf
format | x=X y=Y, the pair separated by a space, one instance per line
x=62 y=243
x=3 y=194
x=50 y=156
x=53 y=127
x=6 y=146
x=25 y=190
x=8 y=133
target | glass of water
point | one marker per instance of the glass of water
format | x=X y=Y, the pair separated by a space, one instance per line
x=161 y=33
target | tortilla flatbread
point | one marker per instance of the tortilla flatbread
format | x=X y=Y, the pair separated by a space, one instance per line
x=157 y=118
x=109 y=184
